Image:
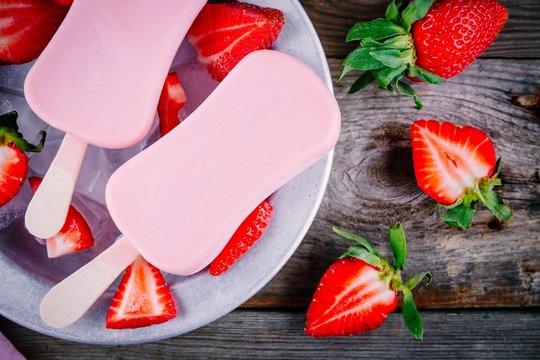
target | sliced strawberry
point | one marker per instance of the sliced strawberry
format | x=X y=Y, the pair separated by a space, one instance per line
x=245 y=236
x=26 y=27
x=225 y=33
x=142 y=298
x=172 y=99
x=457 y=167
x=13 y=160
x=66 y=3
x=74 y=236
x=359 y=291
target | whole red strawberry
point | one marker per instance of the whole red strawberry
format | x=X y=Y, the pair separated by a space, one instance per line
x=223 y=34
x=13 y=160
x=358 y=292
x=244 y=237
x=428 y=40
x=457 y=167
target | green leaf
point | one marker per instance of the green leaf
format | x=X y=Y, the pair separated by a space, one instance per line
x=386 y=75
x=392 y=12
x=424 y=75
x=362 y=253
x=411 y=316
x=495 y=204
x=416 y=10
x=9 y=133
x=376 y=29
x=460 y=215
x=364 y=80
x=416 y=279
x=357 y=239
x=497 y=169
x=392 y=57
x=406 y=89
x=346 y=69
x=361 y=59
x=399 y=245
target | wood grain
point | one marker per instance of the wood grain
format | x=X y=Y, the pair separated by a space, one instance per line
x=372 y=185
x=333 y=18
x=275 y=335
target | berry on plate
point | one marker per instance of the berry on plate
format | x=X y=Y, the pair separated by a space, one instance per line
x=224 y=33
x=142 y=298
x=245 y=236
x=172 y=99
x=26 y=27
x=13 y=160
x=457 y=167
x=358 y=292
x=424 y=40
x=74 y=236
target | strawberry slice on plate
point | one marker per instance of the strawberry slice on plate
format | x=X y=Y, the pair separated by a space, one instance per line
x=245 y=236
x=223 y=34
x=26 y=27
x=172 y=99
x=74 y=236
x=13 y=160
x=142 y=298
x=457 y=167
x=358 y=292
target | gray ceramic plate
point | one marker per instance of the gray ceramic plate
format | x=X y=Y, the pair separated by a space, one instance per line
x=27 y=274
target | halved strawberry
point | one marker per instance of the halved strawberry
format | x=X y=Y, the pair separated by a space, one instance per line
x=74 y=236
x=26 y=27
x=245 y=236
x=225 y=33
x=142 y=298
x=64 y=2
x=456 y=167
x=359 y=291
x=172 y=99
x=13 y=160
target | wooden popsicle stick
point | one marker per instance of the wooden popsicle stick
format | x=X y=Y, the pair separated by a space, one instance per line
x=46 y=213
x=70 y=299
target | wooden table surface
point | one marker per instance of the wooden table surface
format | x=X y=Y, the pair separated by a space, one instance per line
x=484 y=299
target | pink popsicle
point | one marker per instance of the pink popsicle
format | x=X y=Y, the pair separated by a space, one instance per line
x=179 y=201
x=99 y=80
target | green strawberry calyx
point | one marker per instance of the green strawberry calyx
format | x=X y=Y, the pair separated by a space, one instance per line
x=461 y=213
x=9 y=134
x=364 y=251
x=387 y=52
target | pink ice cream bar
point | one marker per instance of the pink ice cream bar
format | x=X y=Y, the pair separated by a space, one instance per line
x=99 y=80
x=179 y=201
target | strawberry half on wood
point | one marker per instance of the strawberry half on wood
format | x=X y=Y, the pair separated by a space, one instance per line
x=142 y=298
x=172 y=99
x=223 y=34
x=13 y=160
x=424 y=40
x=457 y=167
x=74 y=236
x=26 y=27
x=245 y=236
x=358 y=292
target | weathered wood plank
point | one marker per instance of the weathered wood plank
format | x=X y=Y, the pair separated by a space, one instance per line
x=333 y=18
x=271 y=335
x=372 y=186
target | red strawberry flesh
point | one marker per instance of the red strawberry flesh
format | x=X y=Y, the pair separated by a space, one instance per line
x=26 y=27
x=351 y=298
x=14 y=167
x=142 y=298
x=74 y=236
x=449 y=159
x=172 y=99
x=225 y=33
